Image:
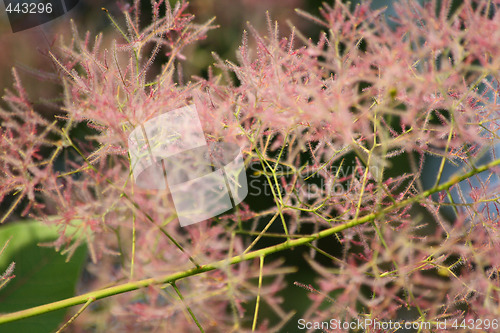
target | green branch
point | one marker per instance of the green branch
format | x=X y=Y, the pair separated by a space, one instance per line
x=171 y=278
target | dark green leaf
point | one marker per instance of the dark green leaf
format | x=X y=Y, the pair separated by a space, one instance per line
x=42 y=275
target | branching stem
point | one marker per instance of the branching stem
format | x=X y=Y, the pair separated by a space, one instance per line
x=171 y=278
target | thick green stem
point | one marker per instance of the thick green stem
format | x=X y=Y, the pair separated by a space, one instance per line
x=171 y=278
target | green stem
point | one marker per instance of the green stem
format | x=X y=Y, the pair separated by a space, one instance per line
x=257 y=302
x=171 y=278
x=90 y=300
x=187 y=307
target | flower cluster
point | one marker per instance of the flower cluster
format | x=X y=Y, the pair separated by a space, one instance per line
x=339 y=111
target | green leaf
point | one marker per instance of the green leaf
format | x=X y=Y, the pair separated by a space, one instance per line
x=42 y=275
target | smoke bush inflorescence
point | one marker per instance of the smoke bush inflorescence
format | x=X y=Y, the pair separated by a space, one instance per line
x=323 y=122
